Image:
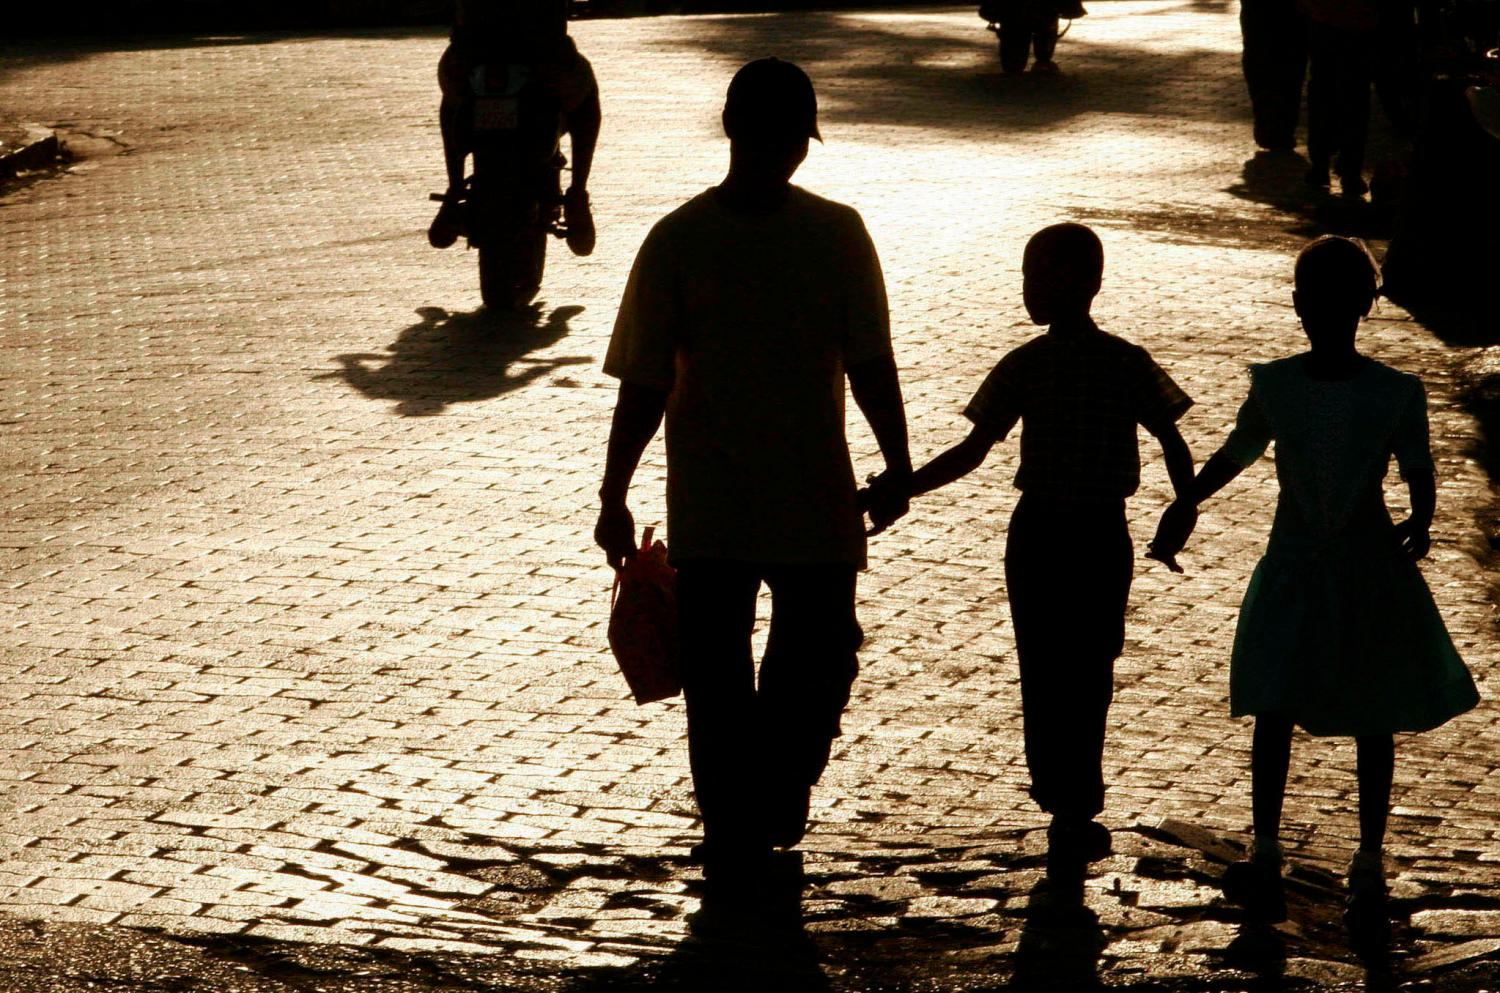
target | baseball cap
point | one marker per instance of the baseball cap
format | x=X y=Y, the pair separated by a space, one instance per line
x=769 y=96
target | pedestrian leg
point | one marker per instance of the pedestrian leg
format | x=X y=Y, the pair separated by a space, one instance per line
x=716 y=614
x=805 y=680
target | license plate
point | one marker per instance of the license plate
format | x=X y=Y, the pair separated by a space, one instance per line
x=497 y=113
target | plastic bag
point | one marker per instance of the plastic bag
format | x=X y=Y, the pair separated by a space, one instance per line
x=643 y=623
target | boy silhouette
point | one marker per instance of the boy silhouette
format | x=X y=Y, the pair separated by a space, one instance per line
x=1079 y=394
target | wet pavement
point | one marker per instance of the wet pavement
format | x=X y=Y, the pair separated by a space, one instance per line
x=305 y=672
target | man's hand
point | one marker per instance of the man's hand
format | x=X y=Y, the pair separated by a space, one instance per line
x=1177 y=524
x=886 y=500
x=1416 y=541
x=615 y=533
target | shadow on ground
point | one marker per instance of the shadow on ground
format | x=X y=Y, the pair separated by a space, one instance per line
x=449 y=357
x=867 y=73
x=982 y=918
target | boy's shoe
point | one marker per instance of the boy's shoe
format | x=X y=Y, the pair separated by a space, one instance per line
x=1046 y=68
x=1353 y=186
x=449 y=222
x=579 y=221
x=1077 y=841
x=1318 y=176
x=1255 y=884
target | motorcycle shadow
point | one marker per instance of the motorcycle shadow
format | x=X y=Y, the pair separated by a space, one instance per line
x=449 y=357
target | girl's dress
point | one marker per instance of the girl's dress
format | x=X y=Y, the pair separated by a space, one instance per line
x=1338 y=630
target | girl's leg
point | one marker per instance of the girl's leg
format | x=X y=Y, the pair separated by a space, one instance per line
x=1377 y=763
x=1366 y=914
x=1270 y=758
x=1255 y=883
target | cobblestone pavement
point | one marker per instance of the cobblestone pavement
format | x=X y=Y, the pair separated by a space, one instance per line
x=304 y=648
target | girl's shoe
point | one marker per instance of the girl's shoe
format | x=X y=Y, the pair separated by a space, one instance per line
x=1255 y=884
x=1365 y=910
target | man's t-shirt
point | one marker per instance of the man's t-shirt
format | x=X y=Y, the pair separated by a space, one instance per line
x=750 y=322
x=1079 y=396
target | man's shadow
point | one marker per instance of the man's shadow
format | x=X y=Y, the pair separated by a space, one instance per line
x=1061 y=941
x=448 y=357
x=731 y=949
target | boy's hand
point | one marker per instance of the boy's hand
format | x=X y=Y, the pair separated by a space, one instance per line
x=1177 y=523
x=886 y=500
x=1415 y=542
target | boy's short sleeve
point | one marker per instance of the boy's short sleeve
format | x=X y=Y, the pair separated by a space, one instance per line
x=868 y=320
x=1252 y=432
x=643 y=346
x=996 y=405
x=1158 y=400
x=1409 y=441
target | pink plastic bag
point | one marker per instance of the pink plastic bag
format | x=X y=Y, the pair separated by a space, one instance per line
x=643 y=623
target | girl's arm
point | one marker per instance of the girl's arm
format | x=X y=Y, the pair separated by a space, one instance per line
x=1218 y=472
x=1246 y=443
x=957 y=462
x=1181 y=517
x=1415 y=531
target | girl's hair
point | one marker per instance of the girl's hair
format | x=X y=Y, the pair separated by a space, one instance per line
x=1337 y=268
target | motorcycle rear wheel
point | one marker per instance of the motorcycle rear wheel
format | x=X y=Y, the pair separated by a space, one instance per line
x=510 y=274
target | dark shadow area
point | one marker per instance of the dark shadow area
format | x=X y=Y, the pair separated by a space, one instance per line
x=447 y=358
x=1061 y=941
x=104 y=17
x=732 y=948
x=1371 y=943
x=1259 y=950
x=1276 y=179
x=46 y=47
x=876 y=75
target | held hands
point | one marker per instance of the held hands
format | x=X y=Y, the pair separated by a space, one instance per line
x=615 y=533
x=886 y=499
x=1415 y=541
x=1177 y=524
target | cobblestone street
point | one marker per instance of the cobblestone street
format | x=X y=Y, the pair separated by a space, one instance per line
x=304 y=657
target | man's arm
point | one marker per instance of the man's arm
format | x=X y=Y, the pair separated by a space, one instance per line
x=638 y=413
x=876 y=386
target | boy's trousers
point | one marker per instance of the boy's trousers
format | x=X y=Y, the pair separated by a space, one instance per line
x=1068 y=567
x=750 y=746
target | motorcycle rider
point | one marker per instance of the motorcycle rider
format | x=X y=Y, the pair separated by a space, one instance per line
x=532 y=33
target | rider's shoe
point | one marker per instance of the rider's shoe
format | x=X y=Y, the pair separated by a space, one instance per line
x=448 y=224
x=1046 y=67
x=579 y=221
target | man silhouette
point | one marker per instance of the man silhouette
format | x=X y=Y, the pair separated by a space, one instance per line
x=745 y=310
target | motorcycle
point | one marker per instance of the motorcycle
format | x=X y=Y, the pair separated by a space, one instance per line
x=513 y=199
